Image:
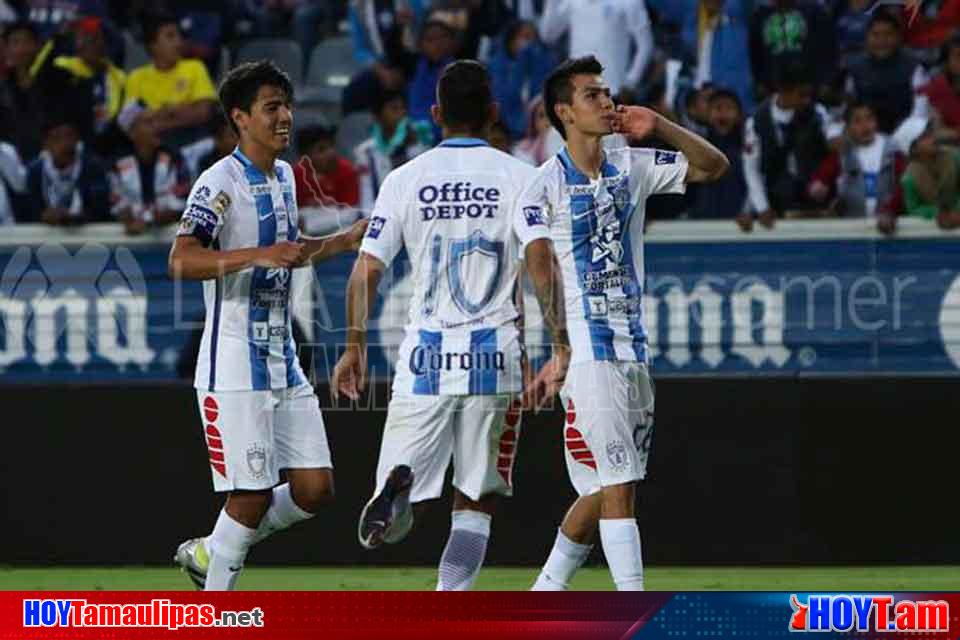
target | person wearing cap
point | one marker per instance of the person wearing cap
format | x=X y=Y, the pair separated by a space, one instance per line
x=66 y=185
x=147 y=187
x=931 y=183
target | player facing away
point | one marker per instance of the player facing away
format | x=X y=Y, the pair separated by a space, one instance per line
x=458 y=374
x=239 y=234
x=593 y=202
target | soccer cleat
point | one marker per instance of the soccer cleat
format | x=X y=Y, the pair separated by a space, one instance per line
x=193 y=560
x=387 y=517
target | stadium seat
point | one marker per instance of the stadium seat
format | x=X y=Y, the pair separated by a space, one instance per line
x=285 y=53
x=353 y=130
x=329 y=70
x=135 y=54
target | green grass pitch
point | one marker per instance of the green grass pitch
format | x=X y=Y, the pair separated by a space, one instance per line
x=902 y=578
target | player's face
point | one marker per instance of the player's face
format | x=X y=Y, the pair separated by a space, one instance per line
x=592 y=109
x=270 y=120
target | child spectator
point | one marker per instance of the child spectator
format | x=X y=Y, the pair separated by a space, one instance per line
x=65 y=184
x=885 y=75
x=517 y=69
x=864 y=177
x=727 y=196
x=148 y=187
x=931 y=183
x=394 y=140
x=323 y=177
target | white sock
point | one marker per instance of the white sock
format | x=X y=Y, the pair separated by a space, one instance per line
x=465 y=550
x=227 y=547
x=283 y=513
x=564 y=560
x=621 y=545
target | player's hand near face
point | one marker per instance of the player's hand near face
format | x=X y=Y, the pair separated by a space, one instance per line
x=549 y=380
x=637 y=123
x=283 y=255
x=350 y=374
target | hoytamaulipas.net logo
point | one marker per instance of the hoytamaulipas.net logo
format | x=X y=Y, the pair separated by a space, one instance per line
x=879 y=613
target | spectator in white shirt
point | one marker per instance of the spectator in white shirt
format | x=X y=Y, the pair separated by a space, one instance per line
x=13 y=177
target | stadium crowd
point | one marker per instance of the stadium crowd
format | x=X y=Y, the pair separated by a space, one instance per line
x=108 y=109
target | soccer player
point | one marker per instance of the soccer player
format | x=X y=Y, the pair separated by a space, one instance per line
x=593 y=201
x=455 y=392
x=239 y=235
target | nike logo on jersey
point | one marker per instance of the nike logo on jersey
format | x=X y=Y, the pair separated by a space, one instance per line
x=234 y=569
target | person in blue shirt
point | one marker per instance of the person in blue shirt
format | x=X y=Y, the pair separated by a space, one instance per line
x=518 y=67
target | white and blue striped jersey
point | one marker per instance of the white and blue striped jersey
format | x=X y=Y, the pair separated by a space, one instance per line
x=597 y=231
x=247 y=340
x=454 y=209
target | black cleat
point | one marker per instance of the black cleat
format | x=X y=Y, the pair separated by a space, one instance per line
x=391 y=504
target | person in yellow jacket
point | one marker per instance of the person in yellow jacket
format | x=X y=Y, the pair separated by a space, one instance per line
x=177 y=90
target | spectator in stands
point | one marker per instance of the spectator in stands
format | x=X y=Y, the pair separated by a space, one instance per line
x=149 y=186
x=850 y=19
x=695 y=114
x=177 y=90
x=438 y=42
x=100 y=84
x=472 y=20
x=66 y=185
x=862 y=179
x=931 y=183
x=943 y=93
x=785 y=32
x=609 y=29
x=394 y=140
x=384 y=43
x=534 y=148
x=23 y=95
x=785 y=141
x=50 y=16
x=13 y=180
x=518 y=67
x=885 y=75
x=933 y=24
x=727 y=196
x=716 y=35
x=323 y=177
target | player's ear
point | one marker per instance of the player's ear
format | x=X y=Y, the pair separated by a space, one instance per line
x=237 y=115
x=437 y=115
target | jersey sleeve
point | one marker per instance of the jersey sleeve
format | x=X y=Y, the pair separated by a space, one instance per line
x=384 y=237
x=654 y=171
x=207 y=208
x=531 y=214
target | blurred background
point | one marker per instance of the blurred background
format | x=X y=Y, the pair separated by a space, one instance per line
x=803 y=311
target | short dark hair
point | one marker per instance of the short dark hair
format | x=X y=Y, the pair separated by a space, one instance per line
x=312 y=134
x=725 y=94
x=239 y=88
x=793 y=74
x=58 y=117
x=465 y=95
x=884 y=16
x=383 y=98
x=558 y=88
x=153 y=22
x=21 y=25
x=856 y=106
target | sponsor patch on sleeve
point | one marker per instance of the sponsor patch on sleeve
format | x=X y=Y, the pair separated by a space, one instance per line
x=665 y=157
x=534 y=216
x=375 y=227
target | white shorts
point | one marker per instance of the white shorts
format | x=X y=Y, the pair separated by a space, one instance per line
x=252 y=435
x=480 y=433
x=608 y=423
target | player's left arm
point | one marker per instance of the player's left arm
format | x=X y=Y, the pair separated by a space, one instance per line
x=316 y=249
x=705 y=161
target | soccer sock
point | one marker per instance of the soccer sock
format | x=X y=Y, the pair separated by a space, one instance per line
x=283 y=513
x=465 y=550
x=564 y=560
x=227 y=547
x=621 y=545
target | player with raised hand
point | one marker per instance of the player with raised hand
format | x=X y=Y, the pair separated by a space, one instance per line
x=239 y=234
x=458 y=375
x=593 y=201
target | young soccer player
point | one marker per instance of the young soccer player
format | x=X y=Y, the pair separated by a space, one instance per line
x=239 y=235
x=593 y=201
x=458 y=375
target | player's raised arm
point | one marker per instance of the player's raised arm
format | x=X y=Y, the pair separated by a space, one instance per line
x=706 y=162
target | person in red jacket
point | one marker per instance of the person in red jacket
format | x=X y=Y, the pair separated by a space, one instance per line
x=863 y=178
x=929 y=24
x=943 y=93
x=324 y=178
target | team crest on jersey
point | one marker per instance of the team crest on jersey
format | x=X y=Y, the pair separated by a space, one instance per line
x=621 y=195
x=220 y=204
x=617 y=455
x=257 y=460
